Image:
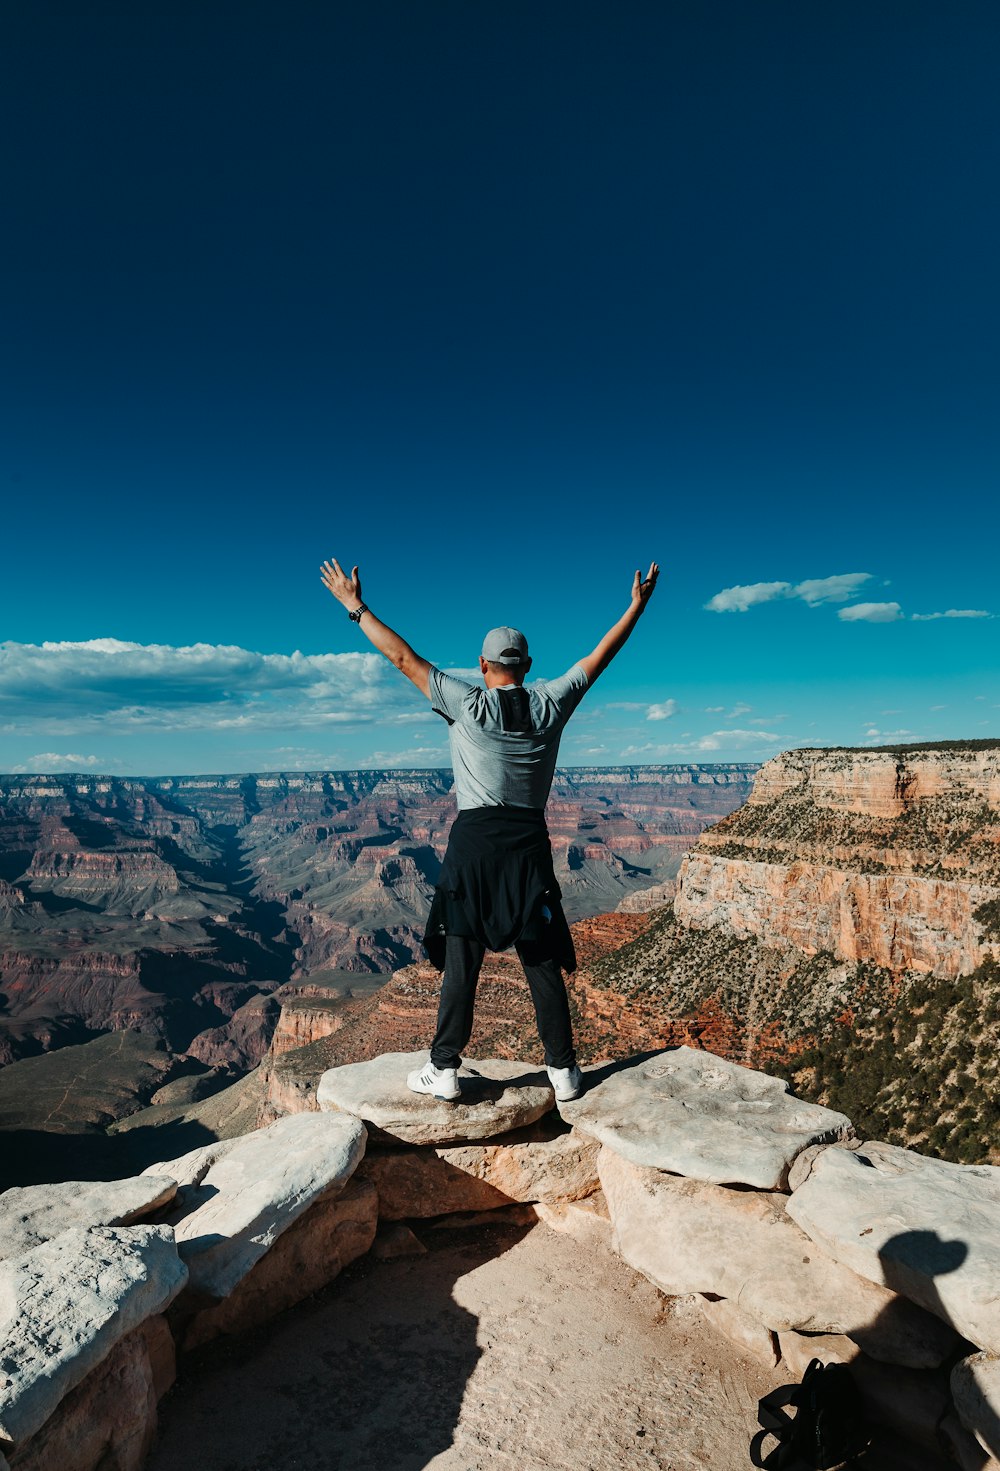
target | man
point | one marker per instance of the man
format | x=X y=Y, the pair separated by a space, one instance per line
x=497 y=887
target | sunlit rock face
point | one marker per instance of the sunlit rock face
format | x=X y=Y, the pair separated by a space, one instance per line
x=869 y=856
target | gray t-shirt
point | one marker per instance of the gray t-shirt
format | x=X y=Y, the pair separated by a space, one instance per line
x=504 y=742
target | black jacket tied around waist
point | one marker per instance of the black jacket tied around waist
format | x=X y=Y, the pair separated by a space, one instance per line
x=497 y=886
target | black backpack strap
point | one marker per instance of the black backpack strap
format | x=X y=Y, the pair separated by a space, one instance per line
x=774 y=1422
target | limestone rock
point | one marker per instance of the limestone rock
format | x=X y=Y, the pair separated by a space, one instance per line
x=315 y=1249
x=108 y=1421
x=191 y=1168
x=687 y=1236
x=698 y=1115
x=417 y=1183
x=527 y=1165
x=802 y=1165
x=923 y=1227
x=497 y=1096
x=799 y=1349
x=64 y=1306
x=32 y=1214
x=963 y=1447
x=162 y=1353
x=975 y=1385
x=587 y=1221
x=742 y=1329
x=257 y=1189
x=560 y=1168
x=396 y=1240
x=507 y=1215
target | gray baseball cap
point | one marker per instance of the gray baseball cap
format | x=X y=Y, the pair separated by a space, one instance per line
x=505 y=646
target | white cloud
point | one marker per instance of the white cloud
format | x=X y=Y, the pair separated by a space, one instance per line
x=739 y=709
x=885 y=735
x=871 y=613
x=663 y=711
x=624 y=705
x=714 y=709
x=47 y=761
x=951 y=613
x=817 y=590
x=73 y=686
x=939 y=707
x=813 y=590
x=739 y=599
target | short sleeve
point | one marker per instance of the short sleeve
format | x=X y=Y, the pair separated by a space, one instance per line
x=447 y=694
x=568 y=690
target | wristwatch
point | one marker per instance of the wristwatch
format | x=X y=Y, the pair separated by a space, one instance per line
x=355 y=614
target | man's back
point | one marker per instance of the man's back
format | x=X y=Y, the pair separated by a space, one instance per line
x=505 y=740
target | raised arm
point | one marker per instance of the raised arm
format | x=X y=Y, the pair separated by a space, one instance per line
x=642 y=591
x=347 y=591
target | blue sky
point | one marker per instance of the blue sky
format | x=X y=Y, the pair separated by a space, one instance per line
x=500 y=302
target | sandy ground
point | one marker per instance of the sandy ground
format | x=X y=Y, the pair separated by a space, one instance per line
x=508 y=1349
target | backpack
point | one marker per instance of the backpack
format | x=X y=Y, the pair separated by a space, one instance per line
x=828 y=1428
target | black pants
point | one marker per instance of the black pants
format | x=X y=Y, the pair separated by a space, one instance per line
x=463 y=961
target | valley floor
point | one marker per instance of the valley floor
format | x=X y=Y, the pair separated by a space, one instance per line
x=503 y=1349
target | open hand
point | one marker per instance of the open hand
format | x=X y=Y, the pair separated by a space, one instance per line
x=346 y=590
x=642 y=588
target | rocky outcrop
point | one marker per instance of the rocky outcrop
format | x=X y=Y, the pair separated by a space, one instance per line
x=742 y=1245
x=701 y=1116
x=496 y=1096
x=38 y=1213
x=254 y=1189
x=67 y=1303
x=91 y=1316
x=869 y=856
x=920 y=1226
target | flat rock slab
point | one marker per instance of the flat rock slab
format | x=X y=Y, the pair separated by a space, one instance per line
x=698 y=1115
x=256 y=1189
x=497 y=1096
x=66 y=1304
x=975 y=1387
x=923 y=1227
x=33 y=1214
x=687 y=1236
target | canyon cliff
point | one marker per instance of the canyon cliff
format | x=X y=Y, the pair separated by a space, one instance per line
x=843 y=926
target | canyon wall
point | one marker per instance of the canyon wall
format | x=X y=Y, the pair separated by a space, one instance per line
x=869 y=856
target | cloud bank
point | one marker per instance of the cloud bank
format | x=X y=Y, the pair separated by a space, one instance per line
x=68 y=686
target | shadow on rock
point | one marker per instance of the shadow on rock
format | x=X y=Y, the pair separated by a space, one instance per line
x=371 y=1372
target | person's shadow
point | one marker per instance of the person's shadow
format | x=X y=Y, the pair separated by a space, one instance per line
x=369 y=1373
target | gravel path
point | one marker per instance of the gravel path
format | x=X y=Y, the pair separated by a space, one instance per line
x=502 y=1350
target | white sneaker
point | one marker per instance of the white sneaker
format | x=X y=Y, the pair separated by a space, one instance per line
x=567 y=1082
x=439 y=1082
